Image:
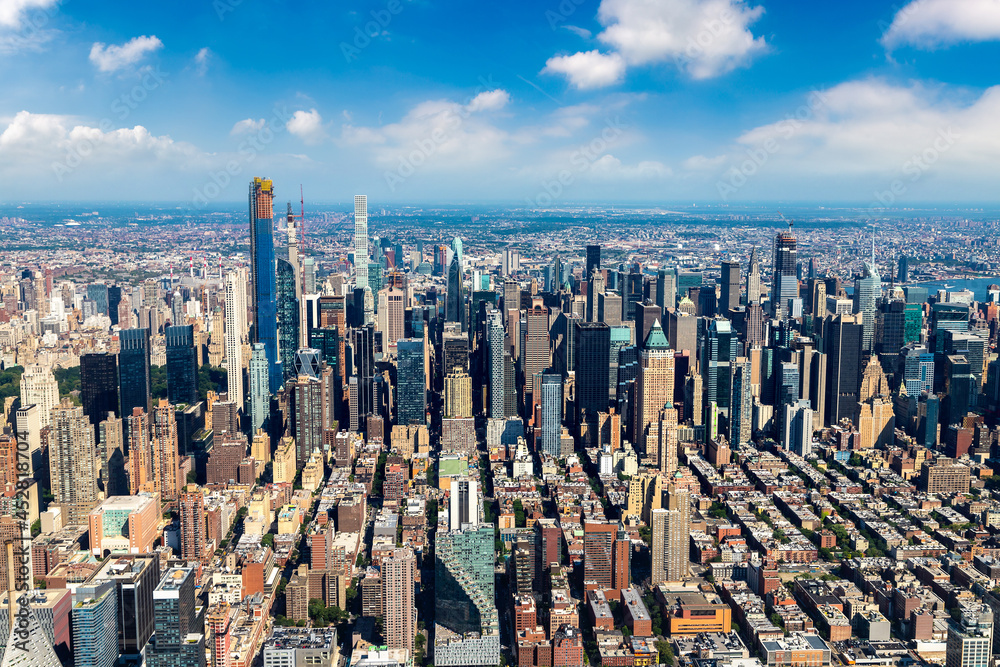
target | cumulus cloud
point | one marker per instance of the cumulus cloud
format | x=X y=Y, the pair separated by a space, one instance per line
x=307 y=126
x=609 y=167
x=111 y=58
x=859 y=135
x=588 y=70
x=40 y=144
x=702 y=38
x=933 y=23
x=247 y=126
x=442 y=134
x=14 y=12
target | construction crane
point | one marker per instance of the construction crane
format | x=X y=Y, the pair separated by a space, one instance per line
x=787 y=221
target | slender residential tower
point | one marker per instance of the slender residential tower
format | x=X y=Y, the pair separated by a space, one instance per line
x=236 y=314
x=265 y=316
x=361 y=240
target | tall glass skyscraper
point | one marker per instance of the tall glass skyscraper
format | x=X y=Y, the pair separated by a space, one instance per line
x=593 y=358
x=182 y=365
x=133 y=365
x=95 y=625
x=265 y=316
x=411 y=397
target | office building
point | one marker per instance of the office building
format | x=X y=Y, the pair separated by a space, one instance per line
x=95 y=625
x=165 y=473
x=259 y=394
x=729 y=297
x=411 y=395
x=457 y=394
x=842 y=337
x=550 y=411
x=135 y=578
x=593 y=259
x=391 y=316
x=39 y=387
x=463 y=502
x=867 y=291
x=177 y=640
x=654 y=388
x=797 y=427
x=666 y=288
x=592 y=347
x=718 y=350
x=307 y=414
x=741 y=404
x=606 y=557
x=182 y=365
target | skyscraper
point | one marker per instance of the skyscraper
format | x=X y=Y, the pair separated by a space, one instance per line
x=457 y=394
x=133 y=370
x=842 y=337
x=593 y=358
x=718 y=350
x=670 y=534
x=361 y=241
x=606 y=556
x=741 y=406
x=399 y=571
x=495 y=365
x=236 y=314
x=666 y=288
x=182 y=365
x=535 y=351
x=177 y=641
x=970 y=637
x=593 y=259
x=551 y=404
x=867 y=291
x=165 y=473
x=654 y=388
x=411 y=395
x=265 y=315
x=455 y=297
x=288 y=297
x=39 y=387
x=730 y=283
x=259 y=394
x=95 y=625
x=73 y=468
x=307 y=415
x=753 y=278
x=98 y=385
x=463 y=502
x=392 y=316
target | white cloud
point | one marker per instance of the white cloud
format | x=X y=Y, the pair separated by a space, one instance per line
x=247 y=126
x=704 y=163
x=861 y=135
x=437 y=134
x=608 y=167
x=118 y=56
x=14 y=12
x=201 y=60
x=704 y=38
x=578 y=31
x=933 y=23
x=588 y=70
x=307 y=126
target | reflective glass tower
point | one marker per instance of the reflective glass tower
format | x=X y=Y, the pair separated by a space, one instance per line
x=265 y=316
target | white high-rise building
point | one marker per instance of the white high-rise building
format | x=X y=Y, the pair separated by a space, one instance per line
x=39 y=387
x=463 y=506
x=495 y=348
x=670 y=533
x=236 y=332
x=361 y=240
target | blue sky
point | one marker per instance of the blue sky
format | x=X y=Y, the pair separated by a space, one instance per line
x=547 y=103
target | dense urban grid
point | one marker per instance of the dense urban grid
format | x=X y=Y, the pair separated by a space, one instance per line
x=708 y=438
